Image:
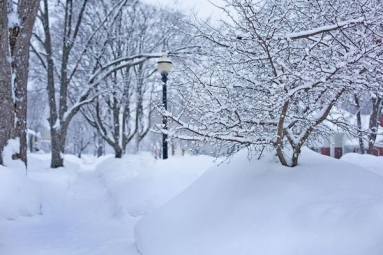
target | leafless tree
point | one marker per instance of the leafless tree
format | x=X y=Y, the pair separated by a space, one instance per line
x=74 y=58
x=6 y=102
x=15 y=36
x=272 y=75
x=80 y=136
x=123 y=113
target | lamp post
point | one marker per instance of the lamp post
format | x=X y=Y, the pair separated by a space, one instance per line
x=164 y=66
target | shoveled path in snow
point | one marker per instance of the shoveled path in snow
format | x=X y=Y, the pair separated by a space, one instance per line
x=77 y=219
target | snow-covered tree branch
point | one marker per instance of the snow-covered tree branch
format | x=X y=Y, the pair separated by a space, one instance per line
x=271 y=76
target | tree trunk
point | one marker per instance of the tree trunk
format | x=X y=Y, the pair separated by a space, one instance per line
x=56 y=160
x=99 y=151
x=359 y=124
x=31 y=143
x=58 y=142
x=58 y=114
x=374 y=122
x=19 y=44
x=136 y=143
x=118 y=152
x=173 y=147
x=295 y=156
x=279 y=141
x=6 y=104
x=98 y=141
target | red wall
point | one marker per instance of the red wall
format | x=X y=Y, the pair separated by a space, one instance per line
x=338 y=152
x=377 y=151
x=326 y=151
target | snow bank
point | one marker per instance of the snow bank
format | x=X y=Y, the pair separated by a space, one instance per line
x=10 y=149
x=369 y=162
x=139 y=183
x=323 y=206
x=32 y=194
x=19 y=196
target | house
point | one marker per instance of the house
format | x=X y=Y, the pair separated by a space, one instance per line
x=38 y=141
x=341 y=143
x=378 y=148
x=32 y=140
x=333 y=147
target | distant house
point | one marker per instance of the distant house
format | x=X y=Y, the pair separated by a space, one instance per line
x=378 y=148
x=38 y=141
x=340 y=143
x=45 y=141
x=334 y=147
x=32 y=140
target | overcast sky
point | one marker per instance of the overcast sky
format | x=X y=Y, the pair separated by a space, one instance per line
x=203 y=7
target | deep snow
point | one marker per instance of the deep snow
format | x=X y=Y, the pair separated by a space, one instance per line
x=90 y=207
x=84 y=207
x=323 y=206
x=369 y=162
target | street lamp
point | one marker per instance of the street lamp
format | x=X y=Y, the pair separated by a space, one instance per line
x=164 y=66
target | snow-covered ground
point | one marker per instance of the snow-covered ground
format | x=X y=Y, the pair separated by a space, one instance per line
x=323 y=206
x=84 y=208
x=369 y=162
x=108 y=206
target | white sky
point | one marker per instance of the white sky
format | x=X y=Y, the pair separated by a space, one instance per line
x=203 y=8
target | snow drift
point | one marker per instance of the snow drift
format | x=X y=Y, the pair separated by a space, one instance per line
x=19 y=196
x=370 y=162
x=323 y=206
x=139 y=183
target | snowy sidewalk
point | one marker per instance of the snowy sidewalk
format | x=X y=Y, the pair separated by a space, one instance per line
x=78 y=219
x=87 y=206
